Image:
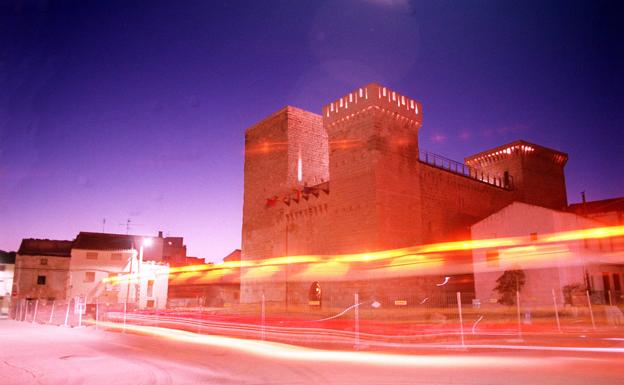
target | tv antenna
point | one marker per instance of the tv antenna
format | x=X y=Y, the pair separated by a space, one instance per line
x=129 y=225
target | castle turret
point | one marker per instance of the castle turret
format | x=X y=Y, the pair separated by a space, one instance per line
x=284 y=152
x=373 y=163
x=534 y=172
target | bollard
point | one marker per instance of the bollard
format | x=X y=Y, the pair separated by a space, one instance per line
x=461 y=319
x=556 y=310
x=591 y=311
x=518 y=311
x=34 y=318
x=52 y=313
x=67 y=313
x=263 y=319
x=357 y=320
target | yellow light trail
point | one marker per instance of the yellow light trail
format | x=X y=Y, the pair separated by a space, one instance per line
x=429 y=255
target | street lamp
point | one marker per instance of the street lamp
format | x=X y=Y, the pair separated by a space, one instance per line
x=147 y=242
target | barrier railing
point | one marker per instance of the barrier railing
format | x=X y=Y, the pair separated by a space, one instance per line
x=459 y=168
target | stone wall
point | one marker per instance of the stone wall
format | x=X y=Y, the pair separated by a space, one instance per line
x=379 y=195
x=29 y=267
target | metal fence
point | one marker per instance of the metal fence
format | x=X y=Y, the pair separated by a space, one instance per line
x=456 y=318
x=463 y=169
x=62 y=312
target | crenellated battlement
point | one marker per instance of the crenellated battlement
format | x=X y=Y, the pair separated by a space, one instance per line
x=372 y=96
x=517 y=148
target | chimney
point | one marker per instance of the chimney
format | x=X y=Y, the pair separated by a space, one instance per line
x=160 y=234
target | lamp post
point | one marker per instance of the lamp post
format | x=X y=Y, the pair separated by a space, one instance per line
x=147 y=242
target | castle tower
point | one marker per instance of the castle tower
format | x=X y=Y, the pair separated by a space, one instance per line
x=536 y=172
x=284 y=152
x=373 y=163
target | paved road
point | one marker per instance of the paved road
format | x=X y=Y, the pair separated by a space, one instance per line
x=41 y=354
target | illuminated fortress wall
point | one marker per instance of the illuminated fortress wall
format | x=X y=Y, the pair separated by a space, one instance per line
x=353 y=180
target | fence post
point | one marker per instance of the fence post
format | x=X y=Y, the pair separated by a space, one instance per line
x=262 y=315
x=80 y=312
x=199 y=321
x=556 y=310
x=124 y=317
x=52 y=312
x=67 y=312
x=591 y=311
x=461 y=319
x=356 y=297
x=518 y=313
x=610 y=298
x=34 y=318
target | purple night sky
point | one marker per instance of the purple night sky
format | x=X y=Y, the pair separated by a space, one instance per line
x=123 y=109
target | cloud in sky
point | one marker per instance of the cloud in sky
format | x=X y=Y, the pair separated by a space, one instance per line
x=438 y=138
x=396 y=4
x=504 y=130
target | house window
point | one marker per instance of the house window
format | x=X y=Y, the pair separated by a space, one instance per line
x=92 y=255
x=43 y=261
x=492 y=258
x=116 y=257
x=89 y=276
x=112 y=285
x=150 y=288
x=41 y=280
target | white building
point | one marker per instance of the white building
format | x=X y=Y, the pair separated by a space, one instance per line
x=594 y=264
x=7 y=269
x=97 y=257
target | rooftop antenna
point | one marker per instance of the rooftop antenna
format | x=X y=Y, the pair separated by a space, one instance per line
x=103 y=225
x=128 y=225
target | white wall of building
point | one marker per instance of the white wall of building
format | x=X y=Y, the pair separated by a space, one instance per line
x=6 y=285
x=546 y=267
x=89 y=270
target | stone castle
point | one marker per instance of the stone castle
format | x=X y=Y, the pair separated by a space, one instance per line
x=354 y=180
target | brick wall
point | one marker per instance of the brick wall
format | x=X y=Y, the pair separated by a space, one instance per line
x=451 y=203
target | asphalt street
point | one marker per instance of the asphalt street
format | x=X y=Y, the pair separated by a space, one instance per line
x=43 y=354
